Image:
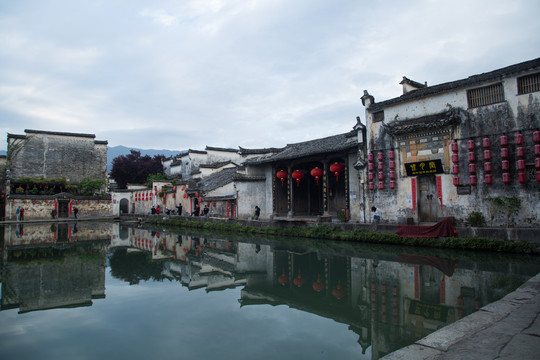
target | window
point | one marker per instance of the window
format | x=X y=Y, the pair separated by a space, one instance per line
x=486 y=95
x=528 y=84
x=378 y=116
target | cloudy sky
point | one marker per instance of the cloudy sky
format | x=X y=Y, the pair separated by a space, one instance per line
x=179 y=74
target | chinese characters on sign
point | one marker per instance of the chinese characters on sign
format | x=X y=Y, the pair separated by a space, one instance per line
x=424 y=167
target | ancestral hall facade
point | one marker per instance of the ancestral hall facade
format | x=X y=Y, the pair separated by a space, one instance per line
x=446 y=150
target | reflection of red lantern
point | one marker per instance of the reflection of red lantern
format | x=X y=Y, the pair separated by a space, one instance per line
x=282 y=175
x=283 y=279
x=318 y=285
x=297 y=175
x=336 y=168
x=338 y=292
x=317 y=173
x=299 y=280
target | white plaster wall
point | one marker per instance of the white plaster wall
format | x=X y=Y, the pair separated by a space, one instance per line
x=250 y=194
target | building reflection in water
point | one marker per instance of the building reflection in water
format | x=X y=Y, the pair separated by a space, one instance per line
x=53 y=266
x=388 y=296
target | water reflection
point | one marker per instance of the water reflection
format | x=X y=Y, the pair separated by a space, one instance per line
x=387 y=296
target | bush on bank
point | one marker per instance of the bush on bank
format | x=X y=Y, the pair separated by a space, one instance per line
x=321 y=231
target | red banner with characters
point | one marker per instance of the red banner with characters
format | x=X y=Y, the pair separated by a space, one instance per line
x=439 y=190
x=413 y=188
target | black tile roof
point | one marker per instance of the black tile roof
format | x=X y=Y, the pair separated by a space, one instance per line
x=327 y=145
x=471 y=81
x=430 y=122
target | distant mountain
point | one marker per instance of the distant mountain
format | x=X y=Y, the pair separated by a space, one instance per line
x=115 y=151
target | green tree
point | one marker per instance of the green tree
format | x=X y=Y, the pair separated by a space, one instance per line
x=88 y=186
x=154 y=177
x=511 y=206
x=495 y=207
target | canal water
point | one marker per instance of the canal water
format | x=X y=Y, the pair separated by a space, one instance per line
x=102 y=290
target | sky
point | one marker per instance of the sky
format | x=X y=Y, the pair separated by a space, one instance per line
x=186 y=74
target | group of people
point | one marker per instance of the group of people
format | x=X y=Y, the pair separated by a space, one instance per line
x=197 y=211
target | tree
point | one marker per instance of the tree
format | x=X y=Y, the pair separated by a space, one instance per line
x=134 y=168
x=511 y=206
x=88 y=186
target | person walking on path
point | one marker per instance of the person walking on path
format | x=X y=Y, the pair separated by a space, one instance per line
x=18 y=213
x=75 y=211
x=257 y=213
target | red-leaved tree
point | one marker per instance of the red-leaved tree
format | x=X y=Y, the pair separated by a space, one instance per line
x=134 y=168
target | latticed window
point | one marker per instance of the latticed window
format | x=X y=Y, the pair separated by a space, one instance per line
x=486 y=95
x=528 y=84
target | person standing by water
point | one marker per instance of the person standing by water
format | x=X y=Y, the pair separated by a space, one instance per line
x=376 y=215
x=257 y=213
x=22 y=214
x=75 y=211
x=179 y=209
x=18 y=213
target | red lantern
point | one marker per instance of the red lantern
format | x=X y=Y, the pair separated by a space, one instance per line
x=371 y=167
x=371 y=176
x=505 y=165
x=370 y=157
x=504 y=140
x=282 y=175
x=392 y=174
x=371 y=185
x=380 y=156
x=488 y=178
x=506 y=178
x=381 y=175
x=536 y=136
x=519 y=139
x=470 y=144
x=522 y=177
x=456 y=180
x=504 y=153
x=317 y=173
x=454 y=147
x=472 y=168
x=471 y=156
x=455 y=158
x=380 y=166
x=487 y=166
x=521 y=164
x=487 y=154
x=336 y=168
x=392 y=184
x=537 y=150
x=392 y=164
x=486 y=142
x=297 y=175
x=472 y=179
x=520 y=152
x=537 y=163
x=455 y=169
x=381 y=185
x=391 y=154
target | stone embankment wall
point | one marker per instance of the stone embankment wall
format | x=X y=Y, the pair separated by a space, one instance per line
x=39 y=207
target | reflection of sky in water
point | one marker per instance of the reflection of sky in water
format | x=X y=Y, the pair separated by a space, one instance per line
x=164 y=320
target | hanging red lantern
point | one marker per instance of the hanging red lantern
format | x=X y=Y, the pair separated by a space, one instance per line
x=380 y=166
x=455 y=158
x=455 y=169
x=297 y=175
x=504 y=140
x=338 y=292
x=381 y=175
x=456 y=180
x=522 y=177
x=506 y=178
x=282 y=175
x=392 y=164
x=155 y=190
x=392 y=184
x=520 y=152
x=472 y=168
x=283 y=279
x=505 y=165
x=472 y=179
x=537 y=163
x=486 y=142
x=519 y=139
x=371 y=176
x=487 y=154
x=536 y=136
x=370 y=157
x=299 y=280
x=470 y=144
x=391 y=154
x=521 y=164
x=381 y=185
x=371 y=167
x=380 y=156
x=488 y=178
x=537 y=150
x=317 y=173
x=471 y=156
x=371 y=185
x=487 y=166
x=318 y=285
x=454 y=147
x=392 y=174
x=336 y=168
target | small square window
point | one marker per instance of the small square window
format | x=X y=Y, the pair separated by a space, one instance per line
x=486 y=95
x=378 y=116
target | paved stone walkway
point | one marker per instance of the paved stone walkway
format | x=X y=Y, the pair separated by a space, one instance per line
x=504 y=330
